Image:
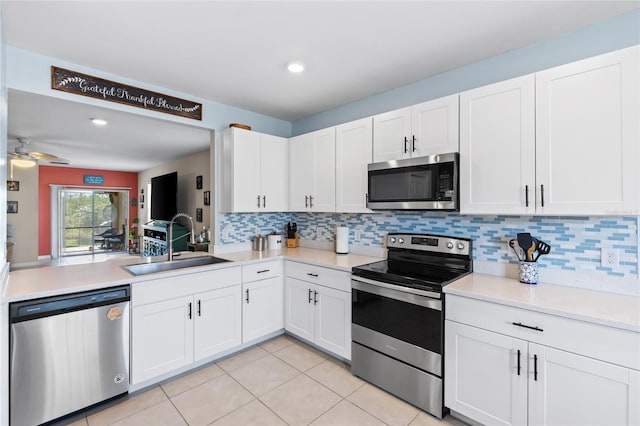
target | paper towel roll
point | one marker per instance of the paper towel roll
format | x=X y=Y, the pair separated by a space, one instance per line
x=342 y=239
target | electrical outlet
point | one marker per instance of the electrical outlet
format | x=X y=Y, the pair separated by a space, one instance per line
x=610 y=257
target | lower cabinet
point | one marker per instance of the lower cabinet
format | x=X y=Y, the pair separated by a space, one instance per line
x=170 y=329
x=262 y=300
x=319 y=313
x=499 y=379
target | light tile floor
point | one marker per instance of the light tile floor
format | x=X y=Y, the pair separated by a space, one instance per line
x=279 y=382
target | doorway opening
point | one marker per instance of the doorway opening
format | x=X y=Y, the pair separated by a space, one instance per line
x=92 y=221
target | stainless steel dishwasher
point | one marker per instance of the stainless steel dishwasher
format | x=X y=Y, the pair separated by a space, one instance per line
x=68 y=353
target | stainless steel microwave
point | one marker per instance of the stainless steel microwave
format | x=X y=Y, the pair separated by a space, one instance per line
x=421 y=183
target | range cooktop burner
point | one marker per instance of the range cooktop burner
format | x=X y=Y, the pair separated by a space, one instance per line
x=424 y=262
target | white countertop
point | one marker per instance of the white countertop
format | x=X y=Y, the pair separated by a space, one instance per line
x=609 y=309
x=57 y=280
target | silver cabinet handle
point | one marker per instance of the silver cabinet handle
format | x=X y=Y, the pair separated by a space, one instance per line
x=258 y=201
x=310 y=201
x=310 y=298
x=199 y=309
x=315 y=297
x=264 y=201
x=247 y=299
x=306 y=201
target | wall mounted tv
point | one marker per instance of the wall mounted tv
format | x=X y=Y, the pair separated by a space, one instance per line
x=164 y=196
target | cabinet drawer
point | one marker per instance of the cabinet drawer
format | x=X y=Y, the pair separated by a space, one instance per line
x=158 y=289
x=609 y=344
x=327 y=277
x=261 y=271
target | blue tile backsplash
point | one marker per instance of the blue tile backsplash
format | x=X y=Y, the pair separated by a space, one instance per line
x=575 y=241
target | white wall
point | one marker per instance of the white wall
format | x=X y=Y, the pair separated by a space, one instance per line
x=189 y=198
x=25 y=250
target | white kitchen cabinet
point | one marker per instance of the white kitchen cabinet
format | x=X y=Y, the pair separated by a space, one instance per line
x=541 y=369
x=254 y=172
x=353 y=154
x=263 y=296
x=497 y=148
x=176 y=321
x=318 y=306
x=162 y=338
x=587 y=133
x=312 y=171
x=424 y=129
x=217 y=321
x=562 y=141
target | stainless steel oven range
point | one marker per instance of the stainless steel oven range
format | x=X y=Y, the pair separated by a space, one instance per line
x=398 y=316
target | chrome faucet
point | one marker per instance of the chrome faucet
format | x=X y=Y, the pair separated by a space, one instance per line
x=170 y=238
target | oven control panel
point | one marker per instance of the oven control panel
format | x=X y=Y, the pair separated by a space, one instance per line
x=434 y=243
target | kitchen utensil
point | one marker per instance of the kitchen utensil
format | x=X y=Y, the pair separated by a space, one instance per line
x=274 y=241
x=258 y=242
x=542 y=248
x=525 y=242
x=516 y=249
x=531 y=250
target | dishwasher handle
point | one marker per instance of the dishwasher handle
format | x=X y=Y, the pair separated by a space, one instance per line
x=57 y=305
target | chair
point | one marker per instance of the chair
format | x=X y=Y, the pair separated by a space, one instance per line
x=103 y=236
x=114 y=240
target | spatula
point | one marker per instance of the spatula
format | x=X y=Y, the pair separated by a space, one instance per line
x=525 y=242
x=541 y=248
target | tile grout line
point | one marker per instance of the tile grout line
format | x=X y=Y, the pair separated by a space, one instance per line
x=174 y=406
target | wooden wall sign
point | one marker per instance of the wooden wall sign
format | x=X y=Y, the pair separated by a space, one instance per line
x=95 y=87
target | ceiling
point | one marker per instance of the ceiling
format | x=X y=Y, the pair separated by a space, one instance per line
x=235 y=52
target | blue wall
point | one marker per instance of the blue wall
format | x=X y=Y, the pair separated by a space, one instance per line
x=605 y=36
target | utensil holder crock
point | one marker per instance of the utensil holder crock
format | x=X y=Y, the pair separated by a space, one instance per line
x=528 y=272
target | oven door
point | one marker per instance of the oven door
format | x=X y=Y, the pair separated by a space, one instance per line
x=422 y=183
x=403 y=323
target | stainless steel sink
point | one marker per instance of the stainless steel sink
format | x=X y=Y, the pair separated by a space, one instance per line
x=153 y=267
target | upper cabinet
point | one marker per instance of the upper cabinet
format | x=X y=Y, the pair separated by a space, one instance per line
x=254 y=172
x=497 y=148
x=424 y=129
x=312 y=171
x=353 y=154
x=588 y=136
x=562 y=141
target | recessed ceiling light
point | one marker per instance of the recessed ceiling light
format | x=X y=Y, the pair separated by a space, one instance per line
x=99 y=121
x=295 y=67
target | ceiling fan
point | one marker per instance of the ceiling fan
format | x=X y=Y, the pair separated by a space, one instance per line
x=22 y=153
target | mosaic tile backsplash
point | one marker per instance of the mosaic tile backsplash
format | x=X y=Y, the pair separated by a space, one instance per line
x=575 y=241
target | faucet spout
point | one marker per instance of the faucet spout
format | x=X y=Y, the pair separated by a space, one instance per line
x=170 y=236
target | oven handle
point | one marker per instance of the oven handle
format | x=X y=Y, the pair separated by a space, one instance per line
x=415 y=297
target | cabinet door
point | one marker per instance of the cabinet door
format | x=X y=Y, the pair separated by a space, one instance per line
x=391 y=133
x=161 y=338
x=497 y=148
x=435 y=127
x=333 y=320
x=569 y=389
x=218 y=319
x=274 y=167
x=299 y=308
x=482 y=380
x=246 y=170
x=587 y=135
x=262 y=311
x=324 y=166
x=353 y=154
x=301 y=173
